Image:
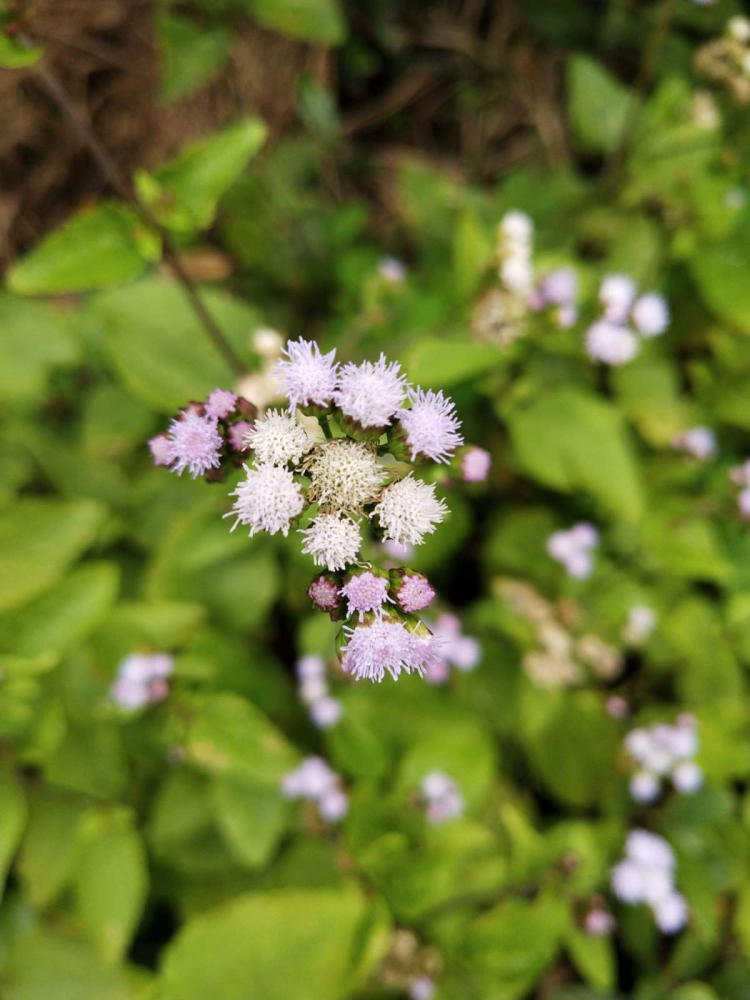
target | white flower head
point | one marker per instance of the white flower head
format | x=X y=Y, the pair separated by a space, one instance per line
x=267 y=500
x=628 y=881
x=671 y=913
x=687 y=777
x=409 y=510
x=517 y=226
x=611 y=343
x=277 y=439
x=700 y=442
x=616 y=294
x=345 y=475
x=649 y=849
x=431 y=425
x=326 y=711
x=651 y=314
x=332 y=540
x=309 y=377
x=371 y=393
x=644 y=787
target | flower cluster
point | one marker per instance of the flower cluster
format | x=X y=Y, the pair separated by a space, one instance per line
x=664 y=752
x=740 y=476
x=598 y=922
x=314 y=781
x=325 y=711
x=574 y=549
x=646 y=875
x=700 y=442
x=559 y=656
x=727 y=59
x=442 y=798
x=457 y=650
x=142 y=680
x=329 y=463
x=557 y=290
x=613 y=337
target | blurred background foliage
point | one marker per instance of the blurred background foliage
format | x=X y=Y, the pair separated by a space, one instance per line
x=285 y=147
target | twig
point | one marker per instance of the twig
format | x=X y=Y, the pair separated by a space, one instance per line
x=121 y=184
x=645 y=73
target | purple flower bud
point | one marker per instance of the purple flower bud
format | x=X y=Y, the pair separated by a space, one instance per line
x=474 y=464
x=161 y=449
x=413 y=591
x=238 y=435
x=325 y=594
x=598 y=923
x=364 y=590
x=220 y=404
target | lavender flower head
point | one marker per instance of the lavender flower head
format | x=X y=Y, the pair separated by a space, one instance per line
x=650 y=314
x=413 y=592
x=309 y=378
x=161 y=449
x=220 y=404
x=141 y=680
x=616 y=294
x=195 y=444
x=379 y=645
x=442 y=798
x=239 y=434
x=430 y=426
x=573 y=548
x=611 y=343
x=365 y=591
x=646 y=875
x=474 y=464
x=700 y=442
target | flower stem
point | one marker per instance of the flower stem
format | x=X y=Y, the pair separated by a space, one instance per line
x=323 y=421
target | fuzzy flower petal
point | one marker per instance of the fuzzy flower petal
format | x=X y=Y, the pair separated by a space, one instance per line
x=431 y=425
x=409 y=510
x=277 y=439
x=267 y=500
x=309 y=377
x=195 y=444
x=371 y=393
x=332 y=540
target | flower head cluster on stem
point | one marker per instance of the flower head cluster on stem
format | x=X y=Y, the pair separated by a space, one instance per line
x=333 y=460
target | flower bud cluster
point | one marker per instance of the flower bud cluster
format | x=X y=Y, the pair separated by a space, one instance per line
x=142 y=680
x=727 y=59
x=442 y=798
x=574 y=549
x=557 y=290
x=646 y=875
x=664 y=752
x=558 y=656
x=206 y=437
x=325 y=711
x=328 y=464
x=613 y=338
x=315 y=782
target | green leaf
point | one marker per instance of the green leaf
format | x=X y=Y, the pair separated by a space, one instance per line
x=472 y=253
x=97 y=248
x=12 y=822
x=38 y=540
x=192 y=54
x=570 y=439
x=159 y=347
x=319 y=21
x=50 y=845
x=513 y=944
x=229 y=736
x=720 y=272
x=648 y=390
x=111 y=882
x=268 y=944
x=598 y=105
x=34 y=339
x=188 y=188
x=14 y=54
x=441 y=363
x=252 y=818
x=64 y=616
x=43 y=965
x=594 y=957
x=560 y=751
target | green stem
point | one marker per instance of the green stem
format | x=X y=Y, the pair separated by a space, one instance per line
x=323 y=421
